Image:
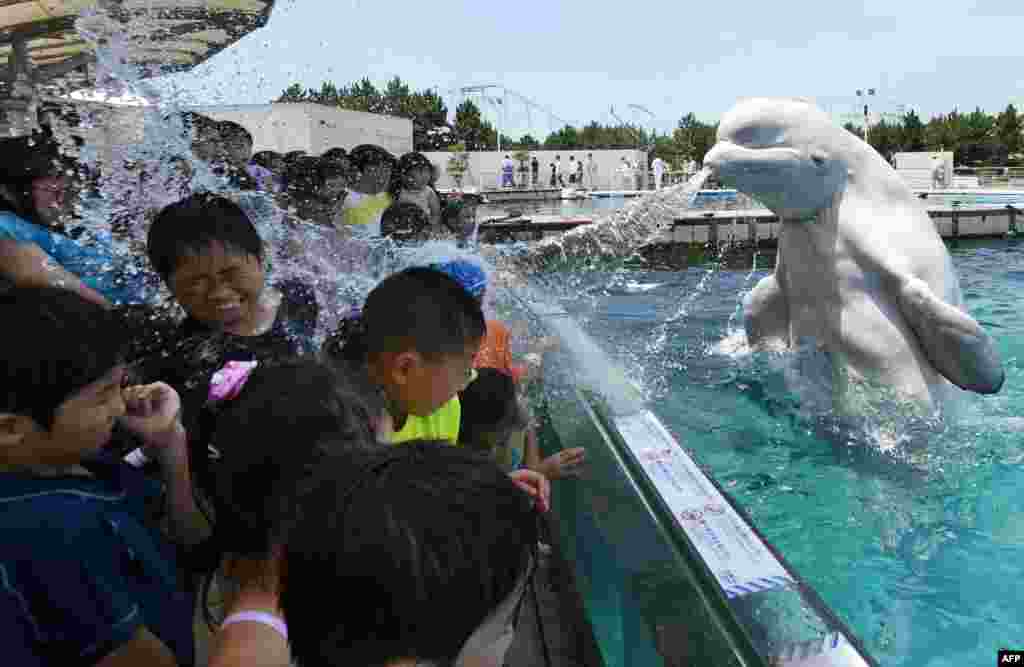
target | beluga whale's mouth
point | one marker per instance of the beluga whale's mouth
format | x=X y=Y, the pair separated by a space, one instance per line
x=771 y=150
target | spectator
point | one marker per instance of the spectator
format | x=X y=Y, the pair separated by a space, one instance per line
x=34 y=181
x=87 y=577
x=413 y=534
x=364 y=205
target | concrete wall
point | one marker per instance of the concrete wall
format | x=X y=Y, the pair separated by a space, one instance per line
x=314 y=128
x=917 y=169
x=485 y=167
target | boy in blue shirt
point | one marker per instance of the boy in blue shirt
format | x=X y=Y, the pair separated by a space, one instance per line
x=85 y=576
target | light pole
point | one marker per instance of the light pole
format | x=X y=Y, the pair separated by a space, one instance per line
x=865 y=94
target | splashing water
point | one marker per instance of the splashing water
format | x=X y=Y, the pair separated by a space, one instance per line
x=622 y=233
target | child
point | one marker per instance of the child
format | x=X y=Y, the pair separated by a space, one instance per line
x=405 y=222
x=365 y=203
x=414 y=183
x=459 y=215
x=490 y=415
x=210 y=256
x=34 y=187
x=252 y=411
x=495 y=352
x=85 y=572
x=315 y=188
x=437 y=545
x=419 y=334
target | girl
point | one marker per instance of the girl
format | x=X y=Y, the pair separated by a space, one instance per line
x=252 y=410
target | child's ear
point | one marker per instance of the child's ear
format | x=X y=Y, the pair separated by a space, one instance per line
x=403 y=366
x=13 y=429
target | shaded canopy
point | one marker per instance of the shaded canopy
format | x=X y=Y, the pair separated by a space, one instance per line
x=169 y=34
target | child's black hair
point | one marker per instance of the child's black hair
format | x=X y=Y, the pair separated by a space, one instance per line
x=367 y=155
x=288 y=419
x=229 y=129
x=452 y=208
x=327 y=169
x=292 y=156
x=435 y=536
x=424 y=310
x=53 y=343
x=404 y=221
x=405 y=165
x=489 y=405
x=302 y=176
x=336 y=154
x=268 y=160
x=193 y=224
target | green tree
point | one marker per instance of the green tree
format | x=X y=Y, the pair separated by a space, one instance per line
x=425 y=108
x=883 y=137
x=472 y=130
x=694 y=138
x=566 y=138
x=912 y=133
x=1008 y=130
x=977 y=139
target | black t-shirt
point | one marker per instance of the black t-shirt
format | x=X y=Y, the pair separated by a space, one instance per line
x=186 y=356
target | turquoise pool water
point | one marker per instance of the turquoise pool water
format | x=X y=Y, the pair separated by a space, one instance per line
x=923 y=561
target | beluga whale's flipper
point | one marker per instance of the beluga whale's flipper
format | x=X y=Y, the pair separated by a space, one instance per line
x=952 y=340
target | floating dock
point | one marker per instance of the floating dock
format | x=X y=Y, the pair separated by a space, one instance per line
x=761 y=227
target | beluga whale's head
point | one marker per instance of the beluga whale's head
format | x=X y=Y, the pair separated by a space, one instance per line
x=784 y=152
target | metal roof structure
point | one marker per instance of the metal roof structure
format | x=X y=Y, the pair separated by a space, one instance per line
x=46 y=42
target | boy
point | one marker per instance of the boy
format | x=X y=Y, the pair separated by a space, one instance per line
x=86 y=577
x=420 y=334
x=365 y=203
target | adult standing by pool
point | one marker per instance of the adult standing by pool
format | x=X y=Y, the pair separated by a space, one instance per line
x=534 y=170
x=591 y=172
x=658 y=166
x=508 y=168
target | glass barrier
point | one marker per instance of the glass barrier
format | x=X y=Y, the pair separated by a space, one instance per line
x=671 y=571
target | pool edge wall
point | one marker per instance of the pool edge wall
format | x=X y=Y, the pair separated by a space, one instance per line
x=649 y=595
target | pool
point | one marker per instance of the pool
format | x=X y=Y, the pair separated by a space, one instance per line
x=923 y=562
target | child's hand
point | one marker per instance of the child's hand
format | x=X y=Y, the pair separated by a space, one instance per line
x=566 y=463
x=151 y=412
x=536 y=485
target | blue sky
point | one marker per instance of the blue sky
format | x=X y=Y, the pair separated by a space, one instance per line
x=580 y=57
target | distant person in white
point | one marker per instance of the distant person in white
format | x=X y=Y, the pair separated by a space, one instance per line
x=658 y=166
x=591 y=172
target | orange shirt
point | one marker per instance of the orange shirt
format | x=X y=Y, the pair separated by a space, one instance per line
x=496 y=352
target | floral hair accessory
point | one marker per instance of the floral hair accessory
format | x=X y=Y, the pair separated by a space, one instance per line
x=227 y=383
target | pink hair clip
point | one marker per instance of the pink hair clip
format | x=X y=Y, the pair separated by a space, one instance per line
x=228 y=382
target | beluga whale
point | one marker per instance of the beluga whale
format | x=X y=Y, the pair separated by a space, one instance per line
x=862 y=275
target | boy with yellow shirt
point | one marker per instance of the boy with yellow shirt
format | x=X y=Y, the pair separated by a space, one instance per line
x=364 y=205
x=417 y=336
